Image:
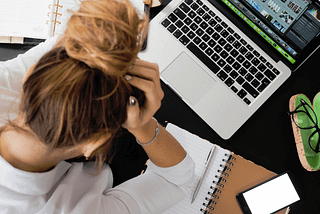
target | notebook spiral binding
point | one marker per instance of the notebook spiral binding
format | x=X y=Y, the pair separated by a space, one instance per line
x=54 y=11
x=214 y=192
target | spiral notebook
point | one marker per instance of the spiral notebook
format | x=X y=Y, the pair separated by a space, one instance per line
x=228 y=174
x=34 y=19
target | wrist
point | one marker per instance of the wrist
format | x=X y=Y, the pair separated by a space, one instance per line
x=147 y=133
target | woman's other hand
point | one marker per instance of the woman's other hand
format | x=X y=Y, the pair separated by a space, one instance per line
x=146 y=77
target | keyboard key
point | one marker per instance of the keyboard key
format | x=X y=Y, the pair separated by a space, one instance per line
x=249 y=56
x=209 y=30
x=199 y=32
x=217 y=18
x=276 y=71
x=230 y=60
x=264 y=83
x=231 y=39
x=250 y=48
x=206 y=17
x=191 y=34
x=255 y=83
x=215 y=57
x=200 y=11
x=222 y=75
x=242 y=71
x=205 y=59
x=243 y=50
x=247 y=101
x=209 y=51
x=249 y=77
x=269 y=74
x=179 y=23
x=197 y=40
x=179 y=13
x=204 y=25
x=259 y=76
x=173 y=17
x=187 y=21
x=240 y=80
x=242 y=93
x=246 y=64
x=177 y=33
x=256 y=53
x=188 y=1
x=165 y=22
x=224 y=33
x=205 y=7
x=230 y=30
x=234 y=74
x=236 y=66
x=253 y=70
x=227 y=68
x=228 y=47
x=216 y=36
x=194 y=6
x=192 y=14
x=198 y=19
x=212 y=43
x=172 y=28
x=253 y=92
x=240 y=58
x=185 y=29
x=218 y=28
x=234 y=89
x=236 y=44
x=224 y=54
x=222 y=41
x=234 y=53
x=184 y=40
x=212 y=22
x=184 y=7
x=218 y=48
x=193 y=26
x=205 y=37
x=229 y=82
x=221 y=63
x=203 y=46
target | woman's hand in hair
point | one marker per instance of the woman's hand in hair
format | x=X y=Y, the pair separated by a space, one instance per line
x=146 y=77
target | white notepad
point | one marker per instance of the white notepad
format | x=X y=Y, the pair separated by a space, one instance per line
x=198 y=149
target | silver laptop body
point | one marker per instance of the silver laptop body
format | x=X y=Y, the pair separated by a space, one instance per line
x=207 y=93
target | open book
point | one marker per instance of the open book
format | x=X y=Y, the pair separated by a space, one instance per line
x=34 y=18
x=38 y=19
x=228 y=174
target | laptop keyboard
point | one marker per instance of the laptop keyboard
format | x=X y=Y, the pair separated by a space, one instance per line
x=221 y=49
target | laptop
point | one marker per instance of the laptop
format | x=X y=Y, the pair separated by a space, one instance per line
x=225 y=58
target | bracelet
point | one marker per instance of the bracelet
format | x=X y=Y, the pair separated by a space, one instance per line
x=155 y=136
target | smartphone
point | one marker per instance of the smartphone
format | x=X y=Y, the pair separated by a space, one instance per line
x=271 y=196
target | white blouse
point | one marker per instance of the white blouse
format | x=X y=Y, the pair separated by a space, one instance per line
x=74 y=188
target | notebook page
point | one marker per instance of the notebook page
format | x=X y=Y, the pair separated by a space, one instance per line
x=198 y=149
x=24 y=18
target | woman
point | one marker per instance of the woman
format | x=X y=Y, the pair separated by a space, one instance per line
x=75 y=99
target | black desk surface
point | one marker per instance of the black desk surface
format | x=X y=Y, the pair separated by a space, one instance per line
x=266 y=138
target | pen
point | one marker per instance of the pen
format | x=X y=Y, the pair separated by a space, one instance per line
x=209 y=158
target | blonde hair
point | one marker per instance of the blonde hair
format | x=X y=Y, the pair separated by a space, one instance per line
x=77 y=91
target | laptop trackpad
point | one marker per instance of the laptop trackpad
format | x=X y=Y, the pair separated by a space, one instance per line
x=188 y=78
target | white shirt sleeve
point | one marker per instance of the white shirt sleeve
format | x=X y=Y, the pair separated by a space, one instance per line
x=11 y=75
x=155 y=191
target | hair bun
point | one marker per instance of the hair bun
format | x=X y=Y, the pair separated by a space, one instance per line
x=105 y=35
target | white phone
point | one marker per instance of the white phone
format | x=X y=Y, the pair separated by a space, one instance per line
x=270 y=196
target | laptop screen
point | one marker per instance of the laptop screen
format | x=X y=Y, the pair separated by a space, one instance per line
x=291 y=27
